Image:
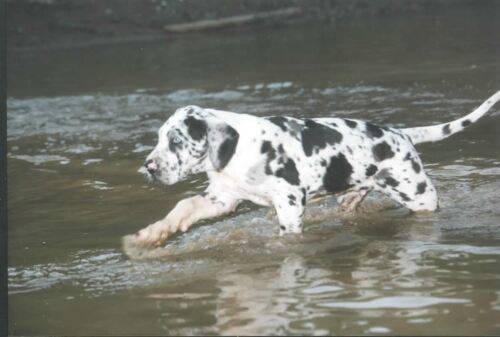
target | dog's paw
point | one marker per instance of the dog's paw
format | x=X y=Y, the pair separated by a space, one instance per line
x=136 y=249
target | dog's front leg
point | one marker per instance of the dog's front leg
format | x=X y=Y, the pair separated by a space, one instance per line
x=184 y=215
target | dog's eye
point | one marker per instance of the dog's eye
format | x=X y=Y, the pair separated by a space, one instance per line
x=176 y=140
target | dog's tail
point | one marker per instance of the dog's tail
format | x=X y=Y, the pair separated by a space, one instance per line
x=434 y=133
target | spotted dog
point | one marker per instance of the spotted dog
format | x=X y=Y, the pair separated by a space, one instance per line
x=284 y=161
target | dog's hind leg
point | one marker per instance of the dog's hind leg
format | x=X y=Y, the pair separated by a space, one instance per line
x=350 y=201
x=414 y=191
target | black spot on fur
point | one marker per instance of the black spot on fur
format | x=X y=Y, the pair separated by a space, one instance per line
x=303 y=200
x=268 y=149
x=416 y=166
x=408 y=156
x=316 y=136
x=279 y=121
x=283 y=228
x=391 y=181
x=350 y=123
x=446 y=129
x=421 y=187
x=466 y=123
x=337 y=174
x=404 y=196
x=322 y=162
x=371 y=170
x=382 y=151
x=197 y=128
x=227 y=147
x=374 y=131
x=289 y=173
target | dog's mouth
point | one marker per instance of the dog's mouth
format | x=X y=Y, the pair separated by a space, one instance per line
x=156 y=178
x=152 y=178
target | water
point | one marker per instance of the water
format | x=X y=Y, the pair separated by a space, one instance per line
x=81 y=121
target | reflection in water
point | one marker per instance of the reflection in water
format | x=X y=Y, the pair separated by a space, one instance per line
x=266 y=301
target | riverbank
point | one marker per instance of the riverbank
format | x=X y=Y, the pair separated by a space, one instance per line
x=49 y=24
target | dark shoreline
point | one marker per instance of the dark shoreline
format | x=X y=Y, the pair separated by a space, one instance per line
x=59 y=24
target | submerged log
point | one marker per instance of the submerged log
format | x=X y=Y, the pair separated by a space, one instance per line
x=233 y=20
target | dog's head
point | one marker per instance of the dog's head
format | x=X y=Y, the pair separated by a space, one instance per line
x=190 y=141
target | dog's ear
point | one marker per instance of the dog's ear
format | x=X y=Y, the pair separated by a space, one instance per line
x=197 y=128
x=222 y=142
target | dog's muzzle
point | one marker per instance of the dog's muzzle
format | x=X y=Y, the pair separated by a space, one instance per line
x=151 y=166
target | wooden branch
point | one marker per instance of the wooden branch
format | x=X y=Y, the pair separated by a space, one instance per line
x=232 y=20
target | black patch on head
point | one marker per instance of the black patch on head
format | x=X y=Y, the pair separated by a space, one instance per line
x=279 y=121
x=374 y=131
x=382 y=151
x=197 y=128
x=421 y=187
x=338 y=174
x=446 y=129
x=350 y=123
x=404 y=196
x=316 y=136
x=391 y=181
x=289 y=173
x=228 y=146
x=371 y=170
x=466 y=123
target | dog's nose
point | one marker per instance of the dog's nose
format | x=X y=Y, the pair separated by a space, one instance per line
x=151 y=166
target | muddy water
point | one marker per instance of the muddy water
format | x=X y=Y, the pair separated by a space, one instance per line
x=80 y=122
